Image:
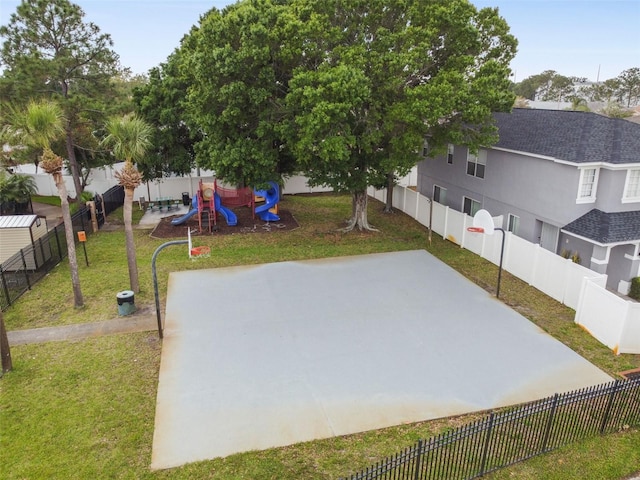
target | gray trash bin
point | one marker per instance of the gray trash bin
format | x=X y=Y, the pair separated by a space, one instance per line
x=126 y=302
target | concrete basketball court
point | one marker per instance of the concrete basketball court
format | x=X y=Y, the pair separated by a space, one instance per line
x=269 y=355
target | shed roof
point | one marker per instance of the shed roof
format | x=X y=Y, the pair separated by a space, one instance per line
x=17 y=221
x=605 y=228
x=578 y=137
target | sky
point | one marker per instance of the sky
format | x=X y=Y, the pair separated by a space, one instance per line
x=595 y=39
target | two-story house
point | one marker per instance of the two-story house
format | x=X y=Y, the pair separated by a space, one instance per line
x=569 y=181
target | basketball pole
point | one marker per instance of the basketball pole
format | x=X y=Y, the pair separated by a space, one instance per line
x=500 y=267
x=155 y=278
x=483 y=223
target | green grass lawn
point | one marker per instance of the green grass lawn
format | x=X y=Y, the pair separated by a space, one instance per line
x=86 y=409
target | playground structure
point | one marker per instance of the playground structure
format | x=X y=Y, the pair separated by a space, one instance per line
x=211 y=199
x=271 y=198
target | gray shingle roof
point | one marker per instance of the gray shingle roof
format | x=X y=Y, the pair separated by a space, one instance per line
x=606 y=228
x=578 y=137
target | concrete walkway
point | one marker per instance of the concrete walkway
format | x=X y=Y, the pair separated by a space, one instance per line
x=140 y=322
x=52 y=213
x=151 y=218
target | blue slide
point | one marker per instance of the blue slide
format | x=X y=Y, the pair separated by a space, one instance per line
x=271 y=197
x=228 y=215
x=188 y=215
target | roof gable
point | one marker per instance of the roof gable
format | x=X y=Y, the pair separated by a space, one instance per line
x=578 y=137
x=605 y=228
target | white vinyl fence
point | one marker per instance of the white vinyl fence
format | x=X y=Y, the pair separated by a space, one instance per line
x=611 y=319
x=102 y=179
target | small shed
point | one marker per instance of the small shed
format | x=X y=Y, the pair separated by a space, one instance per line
x=19 y=232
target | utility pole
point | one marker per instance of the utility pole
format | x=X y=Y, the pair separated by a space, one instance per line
x=5 y=351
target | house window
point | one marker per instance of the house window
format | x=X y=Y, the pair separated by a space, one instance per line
x=514 y=222
x=439 y=194
x=588 y=185
x=477 y=163
x=450 y=154
x=470 y=206
x=632 y=186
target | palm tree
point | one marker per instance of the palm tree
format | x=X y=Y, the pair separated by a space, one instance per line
x=15 y=191
x=36 y=127
x=129 y=139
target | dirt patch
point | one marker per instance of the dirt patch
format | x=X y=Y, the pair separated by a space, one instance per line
x=247 y=224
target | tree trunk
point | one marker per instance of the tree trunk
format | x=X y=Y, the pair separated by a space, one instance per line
x=78 y=301
x=391 y=183
x=5 y=350
x=127 y=211
x=73 y=163
x=359 y=214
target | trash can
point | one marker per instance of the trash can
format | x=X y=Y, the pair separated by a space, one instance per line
x=185 y=199
x=126 y=302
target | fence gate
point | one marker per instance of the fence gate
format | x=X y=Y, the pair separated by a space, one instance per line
x=549 y=237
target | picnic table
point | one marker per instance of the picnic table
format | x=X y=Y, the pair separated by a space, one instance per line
x=164 y=202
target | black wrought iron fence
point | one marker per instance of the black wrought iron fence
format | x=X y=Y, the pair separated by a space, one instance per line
x=514 y=435
x=108 y=202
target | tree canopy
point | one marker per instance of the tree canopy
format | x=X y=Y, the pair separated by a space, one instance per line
x=552 y=86
x=240 y=62
x=347 y=88
x=50 y=52
x=161 y=103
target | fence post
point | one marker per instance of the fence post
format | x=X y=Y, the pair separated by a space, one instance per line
x=5 y=287
x=607 y=410
x=82 y=211
x=41 y=252
x=549 y=425
x=55 y=233
x=417 y=475
x=24 y=264
x=485 y=448
x=446 y=222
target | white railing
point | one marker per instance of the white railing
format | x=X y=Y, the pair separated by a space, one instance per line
x=614 y=321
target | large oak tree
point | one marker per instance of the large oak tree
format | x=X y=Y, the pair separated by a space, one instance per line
x=239 y=63
x=377 y=77
x=348 y=88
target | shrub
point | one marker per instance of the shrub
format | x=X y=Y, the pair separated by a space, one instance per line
x=634 y=291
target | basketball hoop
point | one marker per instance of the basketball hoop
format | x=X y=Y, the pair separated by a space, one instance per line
x=203 y=251
x=483 y=223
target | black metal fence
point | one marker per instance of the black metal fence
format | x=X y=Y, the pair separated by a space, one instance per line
x=108 y=202
x=21 y=271
x=514 y=435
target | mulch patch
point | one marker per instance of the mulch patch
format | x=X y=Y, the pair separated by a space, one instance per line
x=247 y=224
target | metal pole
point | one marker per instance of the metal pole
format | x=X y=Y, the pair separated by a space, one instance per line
x=500 y=267
x=155 y=278
x=84 y=247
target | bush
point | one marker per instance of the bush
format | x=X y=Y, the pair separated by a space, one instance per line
x=634 y=291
